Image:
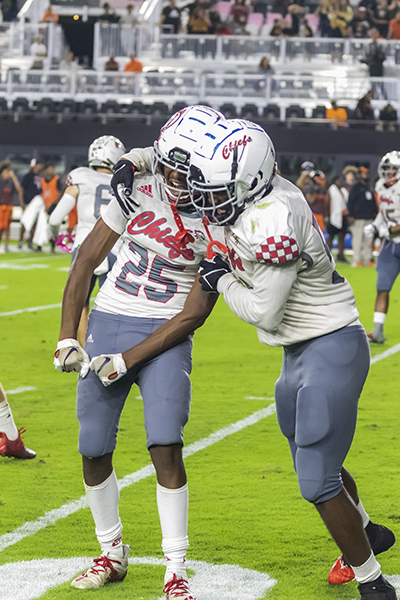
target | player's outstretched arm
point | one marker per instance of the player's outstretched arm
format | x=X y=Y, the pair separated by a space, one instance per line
x=197 y=308
x=92 y=252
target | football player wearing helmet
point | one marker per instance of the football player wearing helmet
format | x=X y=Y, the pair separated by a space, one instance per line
x=148 y=285
x=387 y=227
x=296 y=299
x=88 y=188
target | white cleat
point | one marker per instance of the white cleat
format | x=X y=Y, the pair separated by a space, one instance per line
x=178 y=589
x=105 y=569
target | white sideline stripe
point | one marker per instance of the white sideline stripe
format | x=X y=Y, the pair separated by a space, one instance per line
x=49 y=518
x=33 y=309
x=19 y=390
x=385 y=354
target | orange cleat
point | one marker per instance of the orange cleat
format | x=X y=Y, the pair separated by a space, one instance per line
x=340 y=573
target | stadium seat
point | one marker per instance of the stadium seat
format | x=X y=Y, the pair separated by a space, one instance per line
x=137 y=108
x=254 y=23
x=271 y=18
x=88 y=107
x=110 y=107
x=228 y=110
x=319 y=112
x=313 y=21
x=178 y=106
x=3 y=105
x=45 y=105
x=21 y=105
x=271 y=112
x=67 y=107
x=249 y=111
x=294 y=111
x=158 y=109
x=223 y=8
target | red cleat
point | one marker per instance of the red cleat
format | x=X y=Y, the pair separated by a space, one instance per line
x=340 y=573
x=15 y=448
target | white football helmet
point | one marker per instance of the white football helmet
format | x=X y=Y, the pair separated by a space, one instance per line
x=231 y=166
x=105 y=151
x=174 y=146
x=389 y=167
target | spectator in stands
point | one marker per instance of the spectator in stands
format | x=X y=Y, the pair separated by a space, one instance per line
x=362 y=210
x=394 y=28
x=349 y=174
x=239 y=12
x=304 y=178
x=394 y=6
x=322 y=11
x=31 y=187
x=374 y=59
x=364 y=110
x=131 y=17
x=387 y=119
x=338 y=115
x=264 y=67
x=170 y=21
x=337 y=221
x=111 y=65
x=49 y=16
x=9 y=186
x=134 y=65
x=304 y=28
x=340 y=17
x=109 y=15
x=315 y=194
x=38 y=50
x=199 y=21
x=68 y=63
x=276 y=29
x=218 y=26
x=9 y=8
x=379 y=17
x=360 y=24
x=295 y=12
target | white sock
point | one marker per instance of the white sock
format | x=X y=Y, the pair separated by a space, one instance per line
x=173 y=508
x=364 y=515
x=369 y=571
x=379 y=317
x=7 y=424
x=103 y=500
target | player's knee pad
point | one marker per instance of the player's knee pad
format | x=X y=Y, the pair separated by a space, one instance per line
x=316 y=484
x=94 y=444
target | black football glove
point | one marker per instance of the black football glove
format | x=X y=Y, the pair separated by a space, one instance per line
x=211 y=270
x=122 y=183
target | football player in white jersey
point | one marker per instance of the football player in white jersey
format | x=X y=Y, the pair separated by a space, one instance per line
x=89 y=189
x=297 y=300
x=162 y=246
x=387 y=226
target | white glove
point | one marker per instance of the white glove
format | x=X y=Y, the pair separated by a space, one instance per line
x=108 y=368
x=70 y=356
x=370 y=231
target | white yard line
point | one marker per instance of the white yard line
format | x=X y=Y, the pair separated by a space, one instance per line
x=33 y=309
x=51 y=517
x=19 y=390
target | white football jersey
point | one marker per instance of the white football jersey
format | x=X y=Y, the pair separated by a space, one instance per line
x=291 y=290
x=388 y=199
x=153 y=274
x=94 y=196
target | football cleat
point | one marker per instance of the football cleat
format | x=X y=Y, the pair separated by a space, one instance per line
x=340 y=573
x=105 y=569
x=178 y=589
x=379 y=589
x=381 y=539
x=15 y=448
x=380 y=339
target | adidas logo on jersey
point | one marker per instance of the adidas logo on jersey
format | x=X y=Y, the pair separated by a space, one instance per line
x=90 y=339
x=145 y=189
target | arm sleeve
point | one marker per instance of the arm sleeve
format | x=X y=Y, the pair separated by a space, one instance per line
x=65 y=205
x=142 y=158
x=264 y=305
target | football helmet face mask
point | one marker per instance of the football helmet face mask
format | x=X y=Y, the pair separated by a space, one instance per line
x=105 y=151
x=172 y=153
x=232 y=166
x=389 y=167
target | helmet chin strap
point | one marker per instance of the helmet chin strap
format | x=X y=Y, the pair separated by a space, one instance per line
x=212 y=243
x=184 y=236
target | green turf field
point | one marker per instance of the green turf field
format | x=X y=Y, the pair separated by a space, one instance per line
x=251 y=534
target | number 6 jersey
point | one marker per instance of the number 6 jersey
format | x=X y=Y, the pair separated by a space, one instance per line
x=153 y=274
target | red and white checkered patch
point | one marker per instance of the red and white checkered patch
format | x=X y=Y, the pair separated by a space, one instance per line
x=278 y=249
